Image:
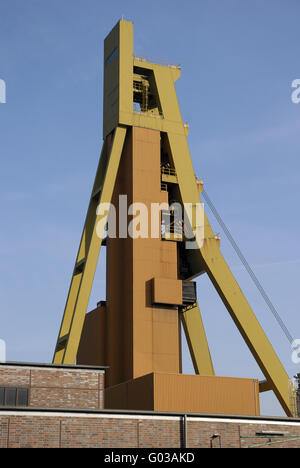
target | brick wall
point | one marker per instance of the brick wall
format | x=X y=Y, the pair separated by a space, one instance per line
x=69 y=413
x=57 y=387
x=46 y=429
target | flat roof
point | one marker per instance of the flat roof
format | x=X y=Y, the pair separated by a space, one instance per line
x=141 y=413
x=52 y=366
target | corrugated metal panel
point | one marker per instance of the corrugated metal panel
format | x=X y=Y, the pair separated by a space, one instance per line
x=140 y=393
x=135 y=395
x=91 y=349
x=116 y=397
x=187 y=394
x=201 y=394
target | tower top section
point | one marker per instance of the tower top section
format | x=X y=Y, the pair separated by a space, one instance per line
x=137 y=92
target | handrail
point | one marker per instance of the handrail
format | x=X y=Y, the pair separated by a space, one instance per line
x=168 y=171
x=157 y=62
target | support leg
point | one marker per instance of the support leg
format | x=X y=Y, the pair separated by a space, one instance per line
x=86 y=263
x=208 y=258
x=197 y=342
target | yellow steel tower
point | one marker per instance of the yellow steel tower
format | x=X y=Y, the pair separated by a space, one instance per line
x=136 y=332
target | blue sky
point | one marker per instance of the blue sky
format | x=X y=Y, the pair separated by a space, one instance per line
x=238 y=62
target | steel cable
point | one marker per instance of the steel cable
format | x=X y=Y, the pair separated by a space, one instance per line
x=248 y=268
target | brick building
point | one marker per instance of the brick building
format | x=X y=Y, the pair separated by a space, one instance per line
x=63 y=406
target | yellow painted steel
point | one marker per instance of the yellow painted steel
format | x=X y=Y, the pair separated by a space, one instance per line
x=208 y=257
x=196 y=339
x=86 y=263
x=83 y=249
x=118 y=77
x=120 y=66
x=264 y=386
x=246 y=322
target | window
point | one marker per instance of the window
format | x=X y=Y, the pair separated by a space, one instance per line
x=22 y=397
x=1 y=396
x=12 y=396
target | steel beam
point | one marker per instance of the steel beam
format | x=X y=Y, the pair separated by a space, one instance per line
x=87 y=258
